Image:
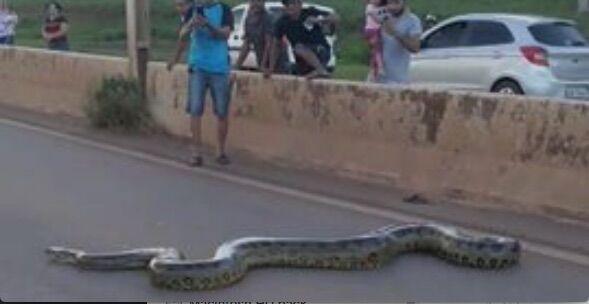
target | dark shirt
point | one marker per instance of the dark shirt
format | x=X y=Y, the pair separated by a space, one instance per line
x=296 y=32
x=52 y=27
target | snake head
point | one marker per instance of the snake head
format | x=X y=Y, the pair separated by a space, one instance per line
x=62 y=255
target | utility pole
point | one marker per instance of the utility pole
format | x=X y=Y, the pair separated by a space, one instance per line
x=138 y=40
x=583 y=6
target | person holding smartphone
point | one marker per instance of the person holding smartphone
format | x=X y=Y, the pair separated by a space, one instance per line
x=400 y=34
x=208 y=29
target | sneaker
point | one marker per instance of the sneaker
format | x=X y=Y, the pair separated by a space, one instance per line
x=223 y=160
x=196 y=161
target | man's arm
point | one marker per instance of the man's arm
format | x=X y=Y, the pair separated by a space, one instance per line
x=224 y=31
x=63 y=29
x=267 y=49
x=273 y=56
x=186 y=29
x=269 y=30
x=180 y=49
x=277 y=35
x=412 y=42
x=323 y=17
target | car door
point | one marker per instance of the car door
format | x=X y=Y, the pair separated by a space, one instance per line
x=486 y=49
x=435 y=63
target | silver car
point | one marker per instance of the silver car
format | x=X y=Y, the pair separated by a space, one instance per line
x=511 y=54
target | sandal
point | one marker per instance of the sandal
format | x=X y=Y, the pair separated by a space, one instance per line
x=196 y=161
x=223 y=160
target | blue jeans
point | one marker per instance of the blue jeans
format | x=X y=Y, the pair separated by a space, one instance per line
x=4 y=40
x=199 y=83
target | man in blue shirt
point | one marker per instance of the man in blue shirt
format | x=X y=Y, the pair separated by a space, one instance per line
x=209 y=27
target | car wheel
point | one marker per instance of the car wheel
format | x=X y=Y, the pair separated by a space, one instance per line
x=508 y=87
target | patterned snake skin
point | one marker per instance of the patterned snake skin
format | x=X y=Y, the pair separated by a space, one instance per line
x=169 y=269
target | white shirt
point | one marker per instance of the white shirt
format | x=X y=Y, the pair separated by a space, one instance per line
x=12 y=21
x=3 y=24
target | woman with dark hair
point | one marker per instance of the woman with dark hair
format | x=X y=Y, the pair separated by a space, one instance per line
x=55 y=27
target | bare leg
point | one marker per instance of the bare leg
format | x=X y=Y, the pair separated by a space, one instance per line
x=222 y=131
x=196 y=145
x=379 y=58
x=222 y=96
x=311 y=59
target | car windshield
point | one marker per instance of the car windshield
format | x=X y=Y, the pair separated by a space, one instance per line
x=558 y=34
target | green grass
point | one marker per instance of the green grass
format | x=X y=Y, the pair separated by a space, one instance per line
x=351 y=71
x=98 y=26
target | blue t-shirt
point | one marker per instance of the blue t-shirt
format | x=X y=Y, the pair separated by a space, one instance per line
x=208 y=53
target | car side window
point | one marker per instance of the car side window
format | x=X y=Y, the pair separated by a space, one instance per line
x=449 y=36
x=484 y=33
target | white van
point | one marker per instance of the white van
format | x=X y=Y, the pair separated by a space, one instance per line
x=275 y=8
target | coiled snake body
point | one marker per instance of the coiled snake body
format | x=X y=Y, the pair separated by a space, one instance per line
x=169 y=268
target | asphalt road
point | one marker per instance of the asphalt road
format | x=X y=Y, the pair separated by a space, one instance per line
x=57 y=192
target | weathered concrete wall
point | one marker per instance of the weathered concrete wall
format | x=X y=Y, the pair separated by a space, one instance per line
x=53 y=82
x=530 y=153
x=524 y=153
